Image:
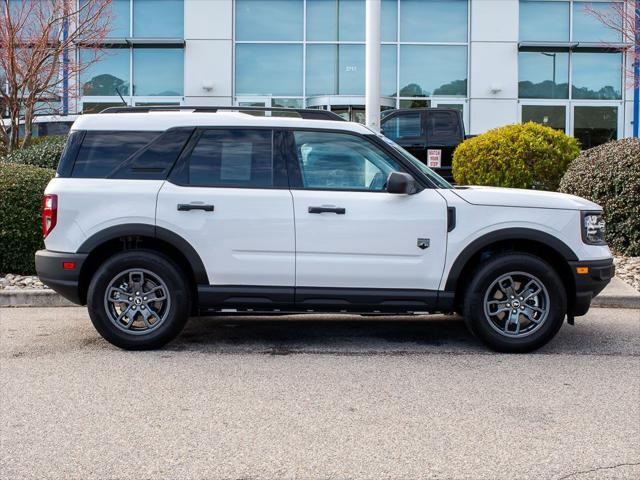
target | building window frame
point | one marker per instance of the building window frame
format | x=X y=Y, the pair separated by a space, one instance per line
x=239 y=97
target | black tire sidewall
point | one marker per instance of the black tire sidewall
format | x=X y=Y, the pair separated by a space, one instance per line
x=487 y=274
x=161 y=266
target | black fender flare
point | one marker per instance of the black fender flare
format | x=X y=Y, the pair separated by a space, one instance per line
x=147 y=230
x=501 y=235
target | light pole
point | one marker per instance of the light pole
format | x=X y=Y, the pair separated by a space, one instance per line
x=372 y=67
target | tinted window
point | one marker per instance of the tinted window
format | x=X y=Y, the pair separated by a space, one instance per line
x=404 y=125
x=155 y=161
x=443 y=128
x=54 y=128
x=543 y=75
x=102 y=152
x=255 y=20
x=232 y=158
x=544 y=21
x=340 y=161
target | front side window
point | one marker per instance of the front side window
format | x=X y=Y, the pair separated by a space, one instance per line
x=232 y=158
x=338 y=161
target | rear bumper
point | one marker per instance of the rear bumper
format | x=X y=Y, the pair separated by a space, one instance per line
x=65 y=281
x=588 y=285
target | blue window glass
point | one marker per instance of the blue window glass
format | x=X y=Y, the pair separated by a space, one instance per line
x=265 y=69
x=335 y=69
x=351 y=70
x=322 y=69
x=597 y=75
x=351 y=19
x=105 y=76
x=388 y=69
x=322 y=24
x=433 y=20
x=269 y=20
x=335 y=20
x=389 y=21
x=118 y=20
x=158 y=71
x=428 y=70
x=544 y=21
x=588 y=28
x=543 y=75
x=158 y=18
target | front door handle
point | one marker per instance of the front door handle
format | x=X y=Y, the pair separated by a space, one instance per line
x=185 y=207
x=336 y=210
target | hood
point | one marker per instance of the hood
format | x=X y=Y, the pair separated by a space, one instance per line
x=516 y=197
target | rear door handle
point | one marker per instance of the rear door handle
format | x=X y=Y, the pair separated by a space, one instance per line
x=336 y=210
x=185 y=207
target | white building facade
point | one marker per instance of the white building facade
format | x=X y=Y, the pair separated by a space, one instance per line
x=499 y=61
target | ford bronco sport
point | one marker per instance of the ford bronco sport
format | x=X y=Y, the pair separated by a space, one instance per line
x=156 y=215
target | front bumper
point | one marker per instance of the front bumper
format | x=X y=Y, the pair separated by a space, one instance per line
x=598 y=274
x=50 y=267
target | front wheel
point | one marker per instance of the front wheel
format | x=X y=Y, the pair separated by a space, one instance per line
x=138 y=300
x=515 y=302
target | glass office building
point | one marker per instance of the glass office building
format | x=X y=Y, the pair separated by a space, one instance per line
x=498 y=61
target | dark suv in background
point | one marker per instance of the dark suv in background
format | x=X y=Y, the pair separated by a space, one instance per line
x=430 y=134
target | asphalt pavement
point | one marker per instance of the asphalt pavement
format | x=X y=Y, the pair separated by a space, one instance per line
x=317 y=397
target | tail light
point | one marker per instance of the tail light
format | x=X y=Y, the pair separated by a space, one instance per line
x=49 y=213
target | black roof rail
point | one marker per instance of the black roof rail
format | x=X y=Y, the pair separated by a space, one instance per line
x=305 y=113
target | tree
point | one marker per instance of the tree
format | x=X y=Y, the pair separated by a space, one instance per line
x=39 y=58
x=623 y=18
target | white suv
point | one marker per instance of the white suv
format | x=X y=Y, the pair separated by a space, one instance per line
x=157 y=215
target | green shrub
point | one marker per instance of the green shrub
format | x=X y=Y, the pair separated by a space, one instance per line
x=522 y=156
x=42 y=152
x=21 y=190
x=610 y=176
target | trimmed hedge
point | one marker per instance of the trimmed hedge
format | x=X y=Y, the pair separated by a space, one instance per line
x=43 y=152
x=21 y=190
x=526 y=155
x=609 y=175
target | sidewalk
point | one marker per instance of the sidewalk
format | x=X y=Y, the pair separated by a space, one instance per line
x=617 y=295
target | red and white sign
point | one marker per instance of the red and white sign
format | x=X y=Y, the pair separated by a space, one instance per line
x=434 y=158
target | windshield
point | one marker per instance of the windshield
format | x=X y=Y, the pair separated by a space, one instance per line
x=433 y=176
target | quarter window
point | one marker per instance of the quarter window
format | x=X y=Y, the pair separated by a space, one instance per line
x=232 y=158
x=101 y=152
x=336 y=161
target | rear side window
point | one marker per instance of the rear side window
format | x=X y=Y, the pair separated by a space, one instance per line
x=443 y=128
x=102 y=151
x=232 y=158
x=155 y=160
x=402 y=126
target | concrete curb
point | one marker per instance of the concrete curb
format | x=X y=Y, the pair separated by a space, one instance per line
x=617 y=295
x=32 y=298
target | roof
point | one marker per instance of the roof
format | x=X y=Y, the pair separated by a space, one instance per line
x=162 y=120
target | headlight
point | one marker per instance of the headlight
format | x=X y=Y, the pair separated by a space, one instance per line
x=593 y=228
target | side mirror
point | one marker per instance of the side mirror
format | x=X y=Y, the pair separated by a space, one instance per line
x=402 y=183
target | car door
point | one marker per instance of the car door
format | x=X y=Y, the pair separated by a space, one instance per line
x=351 y=233
x=228 y=197
x=407 y=129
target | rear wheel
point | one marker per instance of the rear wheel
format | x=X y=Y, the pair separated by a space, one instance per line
x=515 y=302
x=138 y=300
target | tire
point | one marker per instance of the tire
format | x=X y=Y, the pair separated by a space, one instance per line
x=505 y=322
x=126 y=304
